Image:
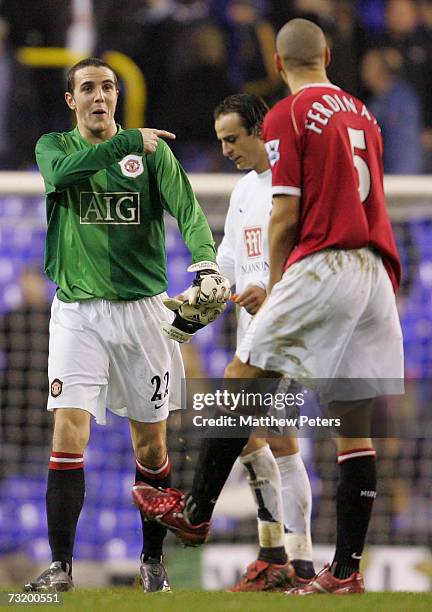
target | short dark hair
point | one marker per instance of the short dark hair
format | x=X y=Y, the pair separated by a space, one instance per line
x=252 y=110
x=88 y=61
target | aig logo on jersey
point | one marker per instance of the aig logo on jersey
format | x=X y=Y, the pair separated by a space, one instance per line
x=253 y=240
x=273 y=154
x=115 y=208
x=131 y=166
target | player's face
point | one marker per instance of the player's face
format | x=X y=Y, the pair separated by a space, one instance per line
x=247 y=151
x=94 y=100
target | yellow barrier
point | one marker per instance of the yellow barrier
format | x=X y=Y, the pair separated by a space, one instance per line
x=126 y=69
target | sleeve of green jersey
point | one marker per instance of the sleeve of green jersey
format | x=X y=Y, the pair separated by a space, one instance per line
x=179 y=200
x=61 y=169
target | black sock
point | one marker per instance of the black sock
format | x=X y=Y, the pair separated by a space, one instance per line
x=303 y=568
x=153 y=533
x=64 y=500
x=277 y=554
x=355 y=496
x=216 y=458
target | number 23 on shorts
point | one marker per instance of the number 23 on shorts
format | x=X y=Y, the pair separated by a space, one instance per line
x=161 y=389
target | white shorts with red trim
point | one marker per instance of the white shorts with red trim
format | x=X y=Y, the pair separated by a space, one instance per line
x=331 y=317
x=105 y=354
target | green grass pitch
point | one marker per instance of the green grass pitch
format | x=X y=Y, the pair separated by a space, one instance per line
x=133 y=599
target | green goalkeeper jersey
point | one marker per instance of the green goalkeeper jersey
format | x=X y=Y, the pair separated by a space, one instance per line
x=105 y=208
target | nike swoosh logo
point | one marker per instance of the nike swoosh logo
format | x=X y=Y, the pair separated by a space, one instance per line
x=356 y=556
x=160 y=406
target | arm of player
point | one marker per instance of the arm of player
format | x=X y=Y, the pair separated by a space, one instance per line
x=226 y=250
x=283 y=228
x=179 y=200
x=61 y=170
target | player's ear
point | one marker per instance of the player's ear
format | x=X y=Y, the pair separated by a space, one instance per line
x=280 y=67
x=257 y=130
x=70 y=100
x=327 y=57
x=278 y=62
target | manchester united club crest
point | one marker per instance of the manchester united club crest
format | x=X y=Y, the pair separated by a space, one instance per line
x=253 y=241
x=132 y=166
x=56 y=387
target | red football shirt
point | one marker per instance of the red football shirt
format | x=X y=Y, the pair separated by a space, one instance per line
x=325 y=146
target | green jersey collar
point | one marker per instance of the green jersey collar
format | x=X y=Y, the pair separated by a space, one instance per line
x=77 y=134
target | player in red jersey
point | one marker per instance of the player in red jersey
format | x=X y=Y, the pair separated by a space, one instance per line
x=331 y=316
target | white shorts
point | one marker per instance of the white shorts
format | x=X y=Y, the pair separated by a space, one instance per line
x=105 y=354
x=331 y=316
x=243 y=321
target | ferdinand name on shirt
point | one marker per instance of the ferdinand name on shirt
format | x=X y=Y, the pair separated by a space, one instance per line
x=320 y=113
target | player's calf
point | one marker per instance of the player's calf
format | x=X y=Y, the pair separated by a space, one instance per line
x=265 y=483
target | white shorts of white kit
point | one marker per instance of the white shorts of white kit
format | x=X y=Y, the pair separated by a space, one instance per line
x=105 y=354
x=331 y=316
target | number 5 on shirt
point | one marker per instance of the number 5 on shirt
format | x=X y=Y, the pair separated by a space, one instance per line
x=358 y=141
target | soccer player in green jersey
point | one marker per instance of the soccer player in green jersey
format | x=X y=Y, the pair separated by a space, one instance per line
x=107 y=190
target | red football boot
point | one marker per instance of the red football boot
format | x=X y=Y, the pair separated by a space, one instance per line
x=263 y=576
x=299 y=582
x=166 y=506
x=325 y=583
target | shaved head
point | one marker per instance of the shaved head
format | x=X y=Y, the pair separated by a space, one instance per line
x=301 y=44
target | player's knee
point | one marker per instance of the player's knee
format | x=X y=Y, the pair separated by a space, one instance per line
x=152 y=452
x=233 y=370
x=282 y=447
x=71 y=430
x=253 y=445
x=228 y=371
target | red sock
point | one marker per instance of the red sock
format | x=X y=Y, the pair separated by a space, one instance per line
x=66 y=461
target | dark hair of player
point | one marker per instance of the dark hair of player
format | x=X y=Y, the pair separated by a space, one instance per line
x=88 y=61
x=252 y=110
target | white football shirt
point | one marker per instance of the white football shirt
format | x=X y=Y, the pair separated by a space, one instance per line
x=243 y=253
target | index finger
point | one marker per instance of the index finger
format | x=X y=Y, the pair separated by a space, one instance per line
x=246 y=301
x=165 y=134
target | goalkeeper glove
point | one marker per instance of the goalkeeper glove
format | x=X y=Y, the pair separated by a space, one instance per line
x=209 y=286
x=188 y=318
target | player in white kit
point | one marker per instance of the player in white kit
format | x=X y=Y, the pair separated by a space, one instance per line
x=276 y=473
